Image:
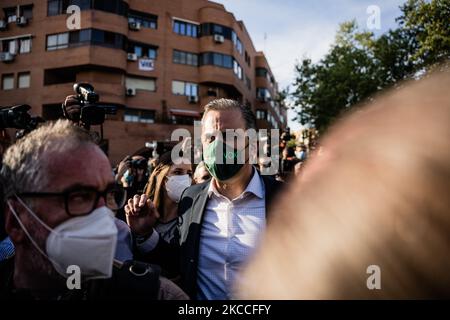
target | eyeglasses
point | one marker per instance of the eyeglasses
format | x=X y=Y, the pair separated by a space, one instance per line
x=80 y=201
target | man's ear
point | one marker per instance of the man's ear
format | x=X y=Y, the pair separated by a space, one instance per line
x=12 y=226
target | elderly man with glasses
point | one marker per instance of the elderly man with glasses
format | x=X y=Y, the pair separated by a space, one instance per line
x=60 y=195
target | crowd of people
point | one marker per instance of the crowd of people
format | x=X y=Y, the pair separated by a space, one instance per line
x=159 y=229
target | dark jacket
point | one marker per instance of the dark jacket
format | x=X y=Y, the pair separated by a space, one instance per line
x=131 y=280
x=186 y=248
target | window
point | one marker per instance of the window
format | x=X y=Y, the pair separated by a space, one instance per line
x=261 y=72
x=261 y=114
x=192 y=59
x=247 y=59
x=263 y=94
x=217 y=59
x=60 y=75
x=210 y=29
x=86 y=36
x=184 y=88
x=80 y=37
x=217 y=29
x=185 y=28
x=16 y=45
x=58 y=41
x=248 y=83
x=177 y=87
x=8 y=81
x=237 y=42
x=228 y=62
x=57 y=7
x=237 y=69
x=10 y=14
x=183 y=57
x=145 y=84
x=185 y=120
x=131 y=116
x=143 y=116
x=138 y=51
x=25 y=45
x=146 y=20
x=191 y=89
x=107 y=39
x=54 y=7
x=148 y=116
x=112 y=6
x=23 y=80
x=26 y=11
x=10 y=45
x=152 y=53
x=143 y=50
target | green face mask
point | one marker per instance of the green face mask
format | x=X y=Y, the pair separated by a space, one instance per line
x=221 y=170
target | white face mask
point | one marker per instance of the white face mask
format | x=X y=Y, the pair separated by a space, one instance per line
x=175 y=185
x=88 y=242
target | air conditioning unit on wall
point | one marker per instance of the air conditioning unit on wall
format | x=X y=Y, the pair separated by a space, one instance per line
x=134 y=25
x=218 y=38
x=21 y=21
x=6 y=57
x=132 y=57
x=3 y=25
x=193 y=99
x=130 y=92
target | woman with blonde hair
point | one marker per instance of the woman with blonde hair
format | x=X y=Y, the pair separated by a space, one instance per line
x=164 y=188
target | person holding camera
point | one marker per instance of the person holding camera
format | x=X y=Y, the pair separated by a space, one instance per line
x=132 y=174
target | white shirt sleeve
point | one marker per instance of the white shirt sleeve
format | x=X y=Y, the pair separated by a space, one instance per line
x=149 y=244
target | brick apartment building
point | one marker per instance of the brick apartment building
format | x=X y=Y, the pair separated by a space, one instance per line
x=157 y=63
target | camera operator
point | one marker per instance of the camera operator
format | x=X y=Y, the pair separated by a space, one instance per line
x=17 y=117
x=59 y=200
x=132 y=174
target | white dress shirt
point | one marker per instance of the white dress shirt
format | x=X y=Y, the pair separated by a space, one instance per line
x=230 y=232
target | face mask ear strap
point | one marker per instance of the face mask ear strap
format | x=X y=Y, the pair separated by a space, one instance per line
x=33 y=214
x=25 y=229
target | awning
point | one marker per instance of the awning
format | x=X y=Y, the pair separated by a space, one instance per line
x=17 y=37
x=184 y=112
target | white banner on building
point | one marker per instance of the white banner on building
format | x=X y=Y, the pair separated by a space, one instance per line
x=146 y=64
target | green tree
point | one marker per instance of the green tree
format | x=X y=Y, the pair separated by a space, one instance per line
x=358 y=64
x=428 y=23
x=345 y=76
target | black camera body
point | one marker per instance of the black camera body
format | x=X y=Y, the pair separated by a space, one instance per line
x=17 y=117
x=139 y=163
x=90 y=112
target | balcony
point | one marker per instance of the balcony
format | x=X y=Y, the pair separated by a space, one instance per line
x=86 y=55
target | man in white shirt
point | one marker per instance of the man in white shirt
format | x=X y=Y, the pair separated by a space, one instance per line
x=220 y=220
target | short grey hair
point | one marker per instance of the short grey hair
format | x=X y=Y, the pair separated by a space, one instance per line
x=229 y=104
x=25 y=162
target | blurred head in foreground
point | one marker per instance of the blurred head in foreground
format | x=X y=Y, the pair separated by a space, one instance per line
x=377 y=195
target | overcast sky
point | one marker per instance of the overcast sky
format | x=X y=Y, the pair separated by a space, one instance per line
x=303 y=28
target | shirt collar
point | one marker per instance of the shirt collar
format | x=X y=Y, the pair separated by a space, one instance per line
x=255 y=186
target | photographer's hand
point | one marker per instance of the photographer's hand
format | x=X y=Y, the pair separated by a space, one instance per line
x=72 y=108
x=141 y=215
x=123 y=166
